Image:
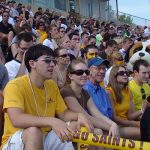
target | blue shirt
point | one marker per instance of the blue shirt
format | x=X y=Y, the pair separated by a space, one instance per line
x=100 y=98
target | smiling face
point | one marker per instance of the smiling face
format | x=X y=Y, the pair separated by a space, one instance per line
x=97 y=73
x=79 y=75
x=122 y=75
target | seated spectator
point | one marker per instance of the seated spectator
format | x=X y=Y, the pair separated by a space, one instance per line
x=3 y=82
x=64 y=42
x=74 y=50
x=97 y=67
x=111 y=46
x=122 y=104
x=139 y=83
x=62 y=32
x=84 y=40
x=41 y=31
x=31 y=103
x=52 y=32
x=91 y=40
x=17 y=67
x=60 y=70
x=145 y=126
x=116 y=59
x=78 y=100
x=89 y=52
x=127 y=42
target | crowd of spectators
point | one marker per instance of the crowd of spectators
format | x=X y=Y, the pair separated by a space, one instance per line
x=87 y=63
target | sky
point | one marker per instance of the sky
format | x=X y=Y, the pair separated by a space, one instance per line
x=139 y=8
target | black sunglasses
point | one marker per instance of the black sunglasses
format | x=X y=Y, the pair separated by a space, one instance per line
x=64 y=55
x=143 y=93
x=121 y=73
x=48 y=60
x=80 y=72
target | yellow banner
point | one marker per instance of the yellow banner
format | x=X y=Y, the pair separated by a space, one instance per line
x=107 y=141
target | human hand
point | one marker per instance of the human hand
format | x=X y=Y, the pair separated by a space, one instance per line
x=114 y=130
x=84 y=121
x=145 y=104
x=63 y=130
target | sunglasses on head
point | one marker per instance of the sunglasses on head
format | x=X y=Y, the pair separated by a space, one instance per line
x=143 y=93
x=121 y=73
x=64 y=55
x=48 y=60
x=80 y=72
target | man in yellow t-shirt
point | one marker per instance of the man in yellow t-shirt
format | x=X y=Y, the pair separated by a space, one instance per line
x=138 y=85
x=31 y=103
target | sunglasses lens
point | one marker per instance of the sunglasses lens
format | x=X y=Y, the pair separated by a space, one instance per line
x=65 y=55
x=143 y=93
x=121 y=73
x=48 y=61
x=87 y=72
x=81 y=72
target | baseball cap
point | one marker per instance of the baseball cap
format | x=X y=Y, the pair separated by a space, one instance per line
x=97 y=61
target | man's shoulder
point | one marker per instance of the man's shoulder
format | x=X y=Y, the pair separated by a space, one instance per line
x=19 y=81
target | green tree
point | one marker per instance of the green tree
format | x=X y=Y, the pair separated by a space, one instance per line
x=125 y=19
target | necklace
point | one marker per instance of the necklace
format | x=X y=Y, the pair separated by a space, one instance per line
x=34 y=98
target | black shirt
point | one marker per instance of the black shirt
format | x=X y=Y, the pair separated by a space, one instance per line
x=6 y=29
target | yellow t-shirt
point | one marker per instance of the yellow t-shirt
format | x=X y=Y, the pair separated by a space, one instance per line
x=121 y=109
x=137 y=95
x=18 y=94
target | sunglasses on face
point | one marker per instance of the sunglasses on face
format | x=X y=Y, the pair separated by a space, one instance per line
x=48 y=60
x=64 y=55
x=143 y=93
x=122 y=73
x=80 y=72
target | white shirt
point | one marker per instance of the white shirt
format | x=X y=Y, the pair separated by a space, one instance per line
x=50 y=43
x=122 y=52
x=13 y=68
x=106 y=78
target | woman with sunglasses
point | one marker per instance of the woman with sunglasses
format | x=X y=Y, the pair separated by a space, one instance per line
x=78 y=100
x=41 y=31
x=60 y=70
x=122 y=104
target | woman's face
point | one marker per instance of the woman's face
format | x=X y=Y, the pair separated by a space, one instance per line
x=122 y=75
x=80 y=74
x=63 y=57
x=66 y=43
